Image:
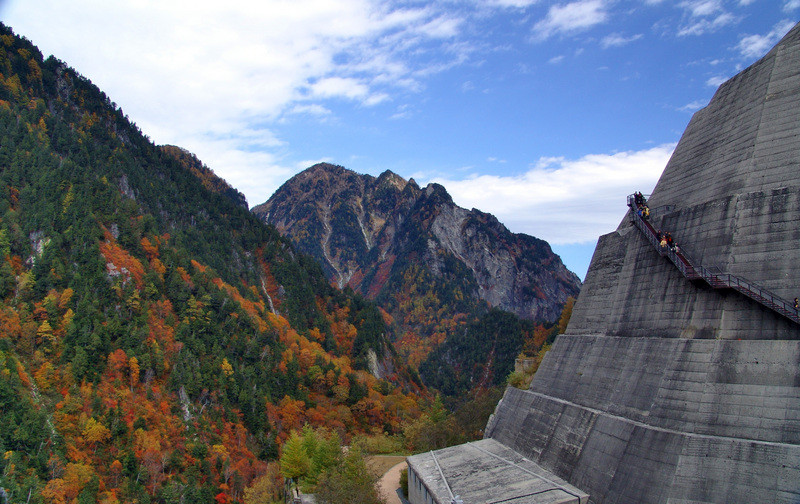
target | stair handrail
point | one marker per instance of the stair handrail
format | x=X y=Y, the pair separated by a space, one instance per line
x=692 y=270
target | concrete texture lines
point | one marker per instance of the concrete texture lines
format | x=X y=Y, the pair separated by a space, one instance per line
x=485 y=472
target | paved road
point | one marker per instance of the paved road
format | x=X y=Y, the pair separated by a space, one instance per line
x=390 y=482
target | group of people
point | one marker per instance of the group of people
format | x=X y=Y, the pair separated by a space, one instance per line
x=641 y=205
x=665 y=240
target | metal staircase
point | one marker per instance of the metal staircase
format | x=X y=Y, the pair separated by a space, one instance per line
x=692 y=270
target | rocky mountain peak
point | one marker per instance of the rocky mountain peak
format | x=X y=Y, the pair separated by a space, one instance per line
x=389 y=178
x=368 y=233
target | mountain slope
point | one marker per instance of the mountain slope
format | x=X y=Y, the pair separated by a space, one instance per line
x=359 y=226
x=157 y=341
x=435 y=269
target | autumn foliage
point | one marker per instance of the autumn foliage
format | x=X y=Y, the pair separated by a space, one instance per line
x=157 y=342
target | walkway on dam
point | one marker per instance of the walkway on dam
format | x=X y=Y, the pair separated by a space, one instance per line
x=692 y=270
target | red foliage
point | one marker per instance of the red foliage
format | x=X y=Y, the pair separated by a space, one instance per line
x=381 y=276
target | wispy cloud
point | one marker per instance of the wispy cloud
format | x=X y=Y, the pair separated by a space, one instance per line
x=310 y=109
x=694 y=106
x=564 y=200
x=570 y=18
x=704 y=16
x=511 y=3
x=755 y=46
x=716 y=81
x=618 y=40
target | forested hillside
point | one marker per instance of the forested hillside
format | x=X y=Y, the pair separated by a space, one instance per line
x=157 y=341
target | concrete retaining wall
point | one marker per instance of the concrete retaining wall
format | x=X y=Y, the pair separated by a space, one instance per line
x=719 y=422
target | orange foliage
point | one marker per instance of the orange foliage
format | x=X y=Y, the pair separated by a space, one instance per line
x=161 y=332
x=381 y=277
x=199 y=267
x=117 y=362
x=10 y=324
x=254 y=310
x=120 y=262
x=185 y=276
x=290 y=414
x=65 y=298
x=317 y=335
x=149 y=248
x=23 y=376
x=133 y=364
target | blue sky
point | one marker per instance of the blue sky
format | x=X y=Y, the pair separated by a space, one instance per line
x=544 y=113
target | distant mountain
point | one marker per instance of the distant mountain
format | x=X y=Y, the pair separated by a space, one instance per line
x=462 y=292
x=372 y=233
x=157 y=340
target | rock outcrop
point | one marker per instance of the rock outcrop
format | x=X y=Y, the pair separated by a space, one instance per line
x=366 y=230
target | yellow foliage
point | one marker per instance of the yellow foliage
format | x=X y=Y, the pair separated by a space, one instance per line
x=76 y=476
x=133 y=365
x=95 y=432
x=44 y=376
x=220 y=450
x=227 y=369
x=65 y=298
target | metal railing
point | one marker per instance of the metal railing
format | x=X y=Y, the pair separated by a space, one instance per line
x=692 y=270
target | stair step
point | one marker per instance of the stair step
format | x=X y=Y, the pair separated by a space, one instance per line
x=688 y=270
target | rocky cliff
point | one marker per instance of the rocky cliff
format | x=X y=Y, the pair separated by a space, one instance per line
x=372 y=233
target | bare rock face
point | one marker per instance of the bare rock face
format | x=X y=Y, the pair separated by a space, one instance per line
x=375 y=234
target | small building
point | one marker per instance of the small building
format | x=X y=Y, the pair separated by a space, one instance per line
x=485 y=472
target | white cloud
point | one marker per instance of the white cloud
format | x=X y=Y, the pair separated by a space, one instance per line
x=716 y=81
x=704 y=16
x=191 y=72
x=314 y=109
x=570 y=18
x=519 y=4
x=694 y=106
x=703 y=26
x=618 y=40
x=339 y=87
x=702 y=8
x=755 y=46
x=441 y=27
x=563 y=200
x=791 y=5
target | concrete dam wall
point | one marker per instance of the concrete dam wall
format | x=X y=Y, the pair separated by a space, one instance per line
x=669 y=390
x=663 y=420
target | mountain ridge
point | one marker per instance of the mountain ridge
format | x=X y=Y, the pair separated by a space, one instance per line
x=356 y=225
